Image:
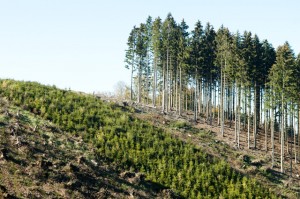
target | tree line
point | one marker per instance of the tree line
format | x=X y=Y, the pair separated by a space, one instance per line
x=219 y=75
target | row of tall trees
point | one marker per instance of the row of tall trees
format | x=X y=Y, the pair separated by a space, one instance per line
x=221 y=76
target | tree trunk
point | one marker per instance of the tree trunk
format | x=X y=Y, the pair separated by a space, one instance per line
x=200 y=97
x=215 y=101
x=245 y=108
x=231 y=105
x=286 y=127
x=294 y=133
x=186 y=100
x=176 y=90
x=131 y=91
x=261 y=105
x=180 y=92
x=266 y=128
x=228 y=102
x=282 y=134
x=298 y=131
x=171 y=91
x=163 y=89
x=154 y=83
x=257 y=104
x=140 y=83
x=255 y=116
x=207 y=102
x=210 y=100
x=166 y=83
x=249 y=116
x=196 y=99
x=219 y=105
x=239 y=116
x=272 y=131
x=147 y=86
x=222 y=103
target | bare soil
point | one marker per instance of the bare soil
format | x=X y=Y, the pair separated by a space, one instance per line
x=38 y=160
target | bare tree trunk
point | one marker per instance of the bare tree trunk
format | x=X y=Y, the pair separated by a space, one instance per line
x=154 y=83
x=176 y=90
x=147 y=86
x=170 y=86
x=222 y=103
x=219 y=105
x=180 y=92
x=291 y=162
x=210 y=100
x=131 y=84
x=236 y=111
x=207 y=102
x=195 y=100
x=272 y=131
x=298 y=131
x=282 y=134
x=200 y=97
x=140 y=84
x=228 y=102
x=232 y=105
x=294 y=133
x=170 y=91
x=245 y=108
x=266 y=127
x=261 y=105
x=163 y=89
x=239 y=115
x=286 y=127
x=166 y=84
x=186 y=100
x=255 y=116
x=215 y=101
x=249 y=116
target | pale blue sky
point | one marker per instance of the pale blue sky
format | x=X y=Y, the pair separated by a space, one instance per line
x=80 y=44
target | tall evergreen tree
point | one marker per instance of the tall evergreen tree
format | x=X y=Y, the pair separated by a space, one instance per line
x=130 y=56
x=249 y=55
x=280 y=78
x=141 y=52
x=157 y=51
x=183 y=55
x=223 y=60
x=196 y=61
x=169 y=52
x=238 y=76
x=209 y=68
x=147 y=84
x=268 y=58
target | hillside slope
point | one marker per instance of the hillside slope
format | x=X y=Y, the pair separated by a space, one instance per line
x=39 y=160
x=132 y=144
x=252 y=163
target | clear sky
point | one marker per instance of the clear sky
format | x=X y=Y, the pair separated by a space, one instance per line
x=80 y=44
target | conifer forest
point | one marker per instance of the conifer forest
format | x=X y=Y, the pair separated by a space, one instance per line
x=223 y=77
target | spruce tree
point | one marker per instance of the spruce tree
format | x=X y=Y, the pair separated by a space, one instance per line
x=280 y=78
x=209 y=68
x=183 y=55
x=130 y=56
x=223 y=61
x=196 y=60
x=157 y=51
